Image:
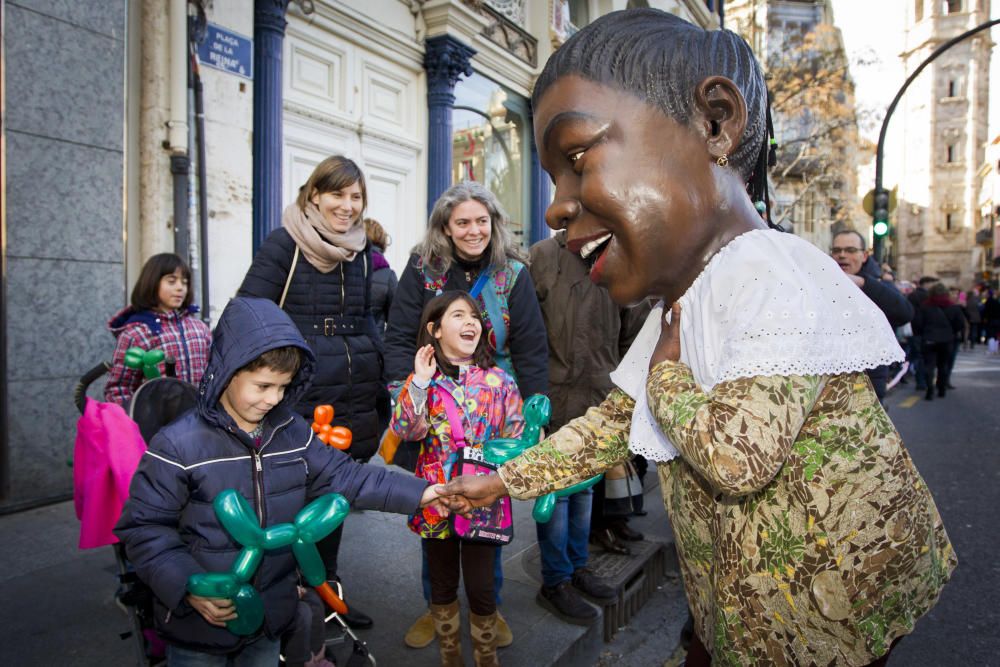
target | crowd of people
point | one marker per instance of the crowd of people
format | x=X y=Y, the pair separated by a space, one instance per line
x=667 y=324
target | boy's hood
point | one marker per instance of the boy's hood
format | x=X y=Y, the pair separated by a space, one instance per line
x=248 y=328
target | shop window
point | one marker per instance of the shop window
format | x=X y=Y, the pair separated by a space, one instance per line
x=490 y=145
x=579 y=12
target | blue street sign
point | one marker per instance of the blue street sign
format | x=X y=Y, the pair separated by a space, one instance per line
x=224 y=49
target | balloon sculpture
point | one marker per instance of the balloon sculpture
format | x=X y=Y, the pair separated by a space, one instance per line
x=316 y=520
x=537 y=412
x=147 y=360
x=335 y=436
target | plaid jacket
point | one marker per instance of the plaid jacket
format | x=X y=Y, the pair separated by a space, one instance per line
x=181 y=336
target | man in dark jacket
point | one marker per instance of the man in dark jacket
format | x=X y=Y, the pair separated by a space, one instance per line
x=849 y=252
x=243 y=435
x=587 y=336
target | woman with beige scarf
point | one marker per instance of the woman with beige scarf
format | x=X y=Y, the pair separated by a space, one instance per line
x=317 y=267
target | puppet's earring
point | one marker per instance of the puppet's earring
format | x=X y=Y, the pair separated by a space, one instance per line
x=722 y=160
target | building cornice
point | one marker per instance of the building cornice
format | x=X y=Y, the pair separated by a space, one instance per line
x=445 y=17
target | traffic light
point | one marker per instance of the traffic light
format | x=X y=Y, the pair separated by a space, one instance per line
x=880 y=217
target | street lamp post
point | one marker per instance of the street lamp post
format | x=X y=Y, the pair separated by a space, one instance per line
x=881 y=223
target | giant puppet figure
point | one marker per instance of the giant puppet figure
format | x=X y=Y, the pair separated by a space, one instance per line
x=805 y=534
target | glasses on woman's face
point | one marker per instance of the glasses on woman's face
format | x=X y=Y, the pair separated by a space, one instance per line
x=844 y=251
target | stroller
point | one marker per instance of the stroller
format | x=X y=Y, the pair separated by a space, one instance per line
x=157 y=402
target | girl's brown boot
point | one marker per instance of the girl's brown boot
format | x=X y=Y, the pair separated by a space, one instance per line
x=446 y=627
x=484 y=639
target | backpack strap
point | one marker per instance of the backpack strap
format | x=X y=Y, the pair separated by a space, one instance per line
x=288 y=280
x=454 y=416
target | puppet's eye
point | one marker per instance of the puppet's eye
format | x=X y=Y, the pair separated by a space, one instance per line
x=573 y=157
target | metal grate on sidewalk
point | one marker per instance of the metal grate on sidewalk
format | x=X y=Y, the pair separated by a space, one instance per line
x=636 y=577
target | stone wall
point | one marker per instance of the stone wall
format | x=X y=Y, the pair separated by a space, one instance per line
x=64 y=62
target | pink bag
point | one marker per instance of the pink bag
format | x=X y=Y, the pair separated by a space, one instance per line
x=493 y=524
x=106 y=453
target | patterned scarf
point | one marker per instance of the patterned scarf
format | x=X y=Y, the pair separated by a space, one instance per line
x=322 y=246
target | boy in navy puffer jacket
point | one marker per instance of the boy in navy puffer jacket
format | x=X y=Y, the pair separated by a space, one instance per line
x=243 y=435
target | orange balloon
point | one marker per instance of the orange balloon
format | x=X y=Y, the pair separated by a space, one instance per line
x=331 y=599
x=323 y=414
x=340 y=437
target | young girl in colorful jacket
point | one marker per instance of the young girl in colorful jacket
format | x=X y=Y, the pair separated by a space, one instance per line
x=453 y=371
x=160 y=316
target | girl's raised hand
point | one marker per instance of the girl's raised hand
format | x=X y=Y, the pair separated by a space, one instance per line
x=669 y=345
x=424 y=364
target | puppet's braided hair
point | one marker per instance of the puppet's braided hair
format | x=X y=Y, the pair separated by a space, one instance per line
x=660 y=59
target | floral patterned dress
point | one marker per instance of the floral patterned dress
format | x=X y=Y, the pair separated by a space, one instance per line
x=490 y=407
x=804 y=532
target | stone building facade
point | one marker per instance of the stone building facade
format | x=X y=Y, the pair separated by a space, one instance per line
x=814 y=182
x=944 y=115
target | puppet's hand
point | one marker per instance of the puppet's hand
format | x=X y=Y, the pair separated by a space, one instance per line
x=467 y=492
x=668 y=348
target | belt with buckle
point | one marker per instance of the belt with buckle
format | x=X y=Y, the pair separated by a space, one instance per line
x=343 y=326
x=338 y=325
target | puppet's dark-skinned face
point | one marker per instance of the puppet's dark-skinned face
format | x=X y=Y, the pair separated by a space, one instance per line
x=622 y=167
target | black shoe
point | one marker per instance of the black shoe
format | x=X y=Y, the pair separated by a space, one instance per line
x=608 y=541
x=357 y=619
x=563 y=601
x=640 y=513
x=588 y=583
x=941 y=392
x=929 y=396
x=622 y=530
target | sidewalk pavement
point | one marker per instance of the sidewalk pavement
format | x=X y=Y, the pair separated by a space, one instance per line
x=59 y=601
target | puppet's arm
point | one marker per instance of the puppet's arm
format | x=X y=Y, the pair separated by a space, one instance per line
x=739 y=434
x=584 y=447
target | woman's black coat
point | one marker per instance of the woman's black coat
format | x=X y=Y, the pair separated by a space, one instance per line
x=332 y=310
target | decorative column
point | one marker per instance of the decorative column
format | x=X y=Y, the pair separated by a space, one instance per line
x=445 y=59
x=268 y=38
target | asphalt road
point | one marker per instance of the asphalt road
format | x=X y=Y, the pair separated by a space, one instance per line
x=955 y=443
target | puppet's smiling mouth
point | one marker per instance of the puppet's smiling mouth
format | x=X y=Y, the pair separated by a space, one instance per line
x=592 y=250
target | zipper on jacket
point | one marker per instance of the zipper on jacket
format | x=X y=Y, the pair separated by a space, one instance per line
x=184 y=346
x=347 y=346
x=257 y=474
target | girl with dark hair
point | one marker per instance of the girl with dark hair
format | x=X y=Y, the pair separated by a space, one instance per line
x=804 y=532
x=160 y=316
x=468 y=246
x=318 y=267
x=454 y=380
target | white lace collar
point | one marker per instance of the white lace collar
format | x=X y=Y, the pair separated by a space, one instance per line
x=768 y=303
